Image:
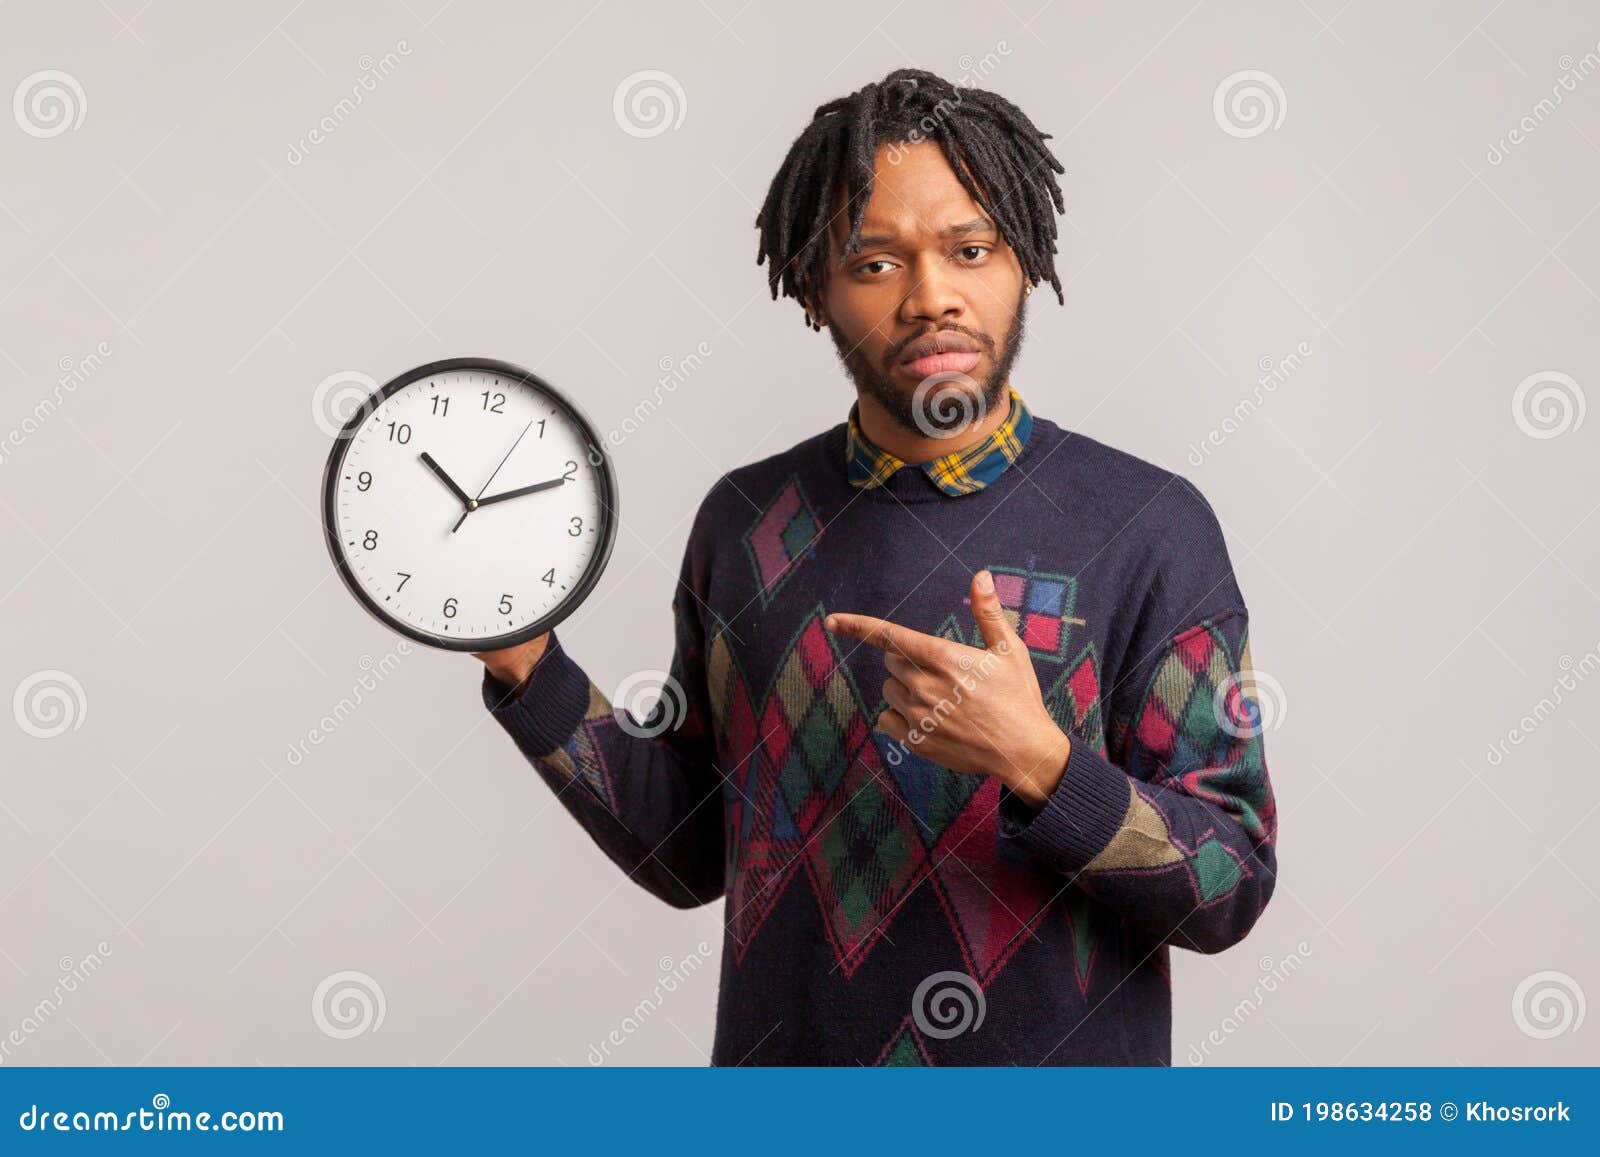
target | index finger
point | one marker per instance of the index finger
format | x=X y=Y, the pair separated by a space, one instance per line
x=884 y=635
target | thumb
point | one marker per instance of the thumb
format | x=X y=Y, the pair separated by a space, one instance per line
x=989 y=614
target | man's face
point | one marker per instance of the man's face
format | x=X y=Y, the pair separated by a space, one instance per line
x=932 y=265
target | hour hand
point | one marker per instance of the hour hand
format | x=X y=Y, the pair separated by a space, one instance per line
x=521 y=490
x=466 y=499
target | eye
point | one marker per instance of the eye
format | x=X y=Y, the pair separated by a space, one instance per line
x=981 y=251
x=866 y=267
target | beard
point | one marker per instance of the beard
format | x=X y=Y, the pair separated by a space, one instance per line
x=944 y=405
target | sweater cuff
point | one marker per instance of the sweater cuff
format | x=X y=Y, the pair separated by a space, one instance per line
x=1079 y=818
x=552 y=704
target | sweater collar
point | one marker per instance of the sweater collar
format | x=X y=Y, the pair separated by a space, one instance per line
x=959 y=472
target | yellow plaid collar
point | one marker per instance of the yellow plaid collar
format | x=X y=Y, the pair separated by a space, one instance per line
x=958 y=472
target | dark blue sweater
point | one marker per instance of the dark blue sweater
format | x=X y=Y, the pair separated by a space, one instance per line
x=881 y=909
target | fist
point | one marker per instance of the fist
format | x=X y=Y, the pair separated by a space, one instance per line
x=512 y=665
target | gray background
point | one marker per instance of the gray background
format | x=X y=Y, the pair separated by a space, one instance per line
x=1421 y=568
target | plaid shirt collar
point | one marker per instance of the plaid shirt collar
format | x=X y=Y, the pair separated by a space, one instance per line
x=958 y=472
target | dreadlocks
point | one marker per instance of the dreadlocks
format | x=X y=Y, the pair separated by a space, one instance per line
x=990 y=143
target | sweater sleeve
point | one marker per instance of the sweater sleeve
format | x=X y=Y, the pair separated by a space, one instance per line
x=647 y=791
x=1176 y=828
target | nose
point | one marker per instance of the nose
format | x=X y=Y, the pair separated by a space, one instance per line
x=933 y=297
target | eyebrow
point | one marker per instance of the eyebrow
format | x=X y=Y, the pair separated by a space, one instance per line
x=960 y=229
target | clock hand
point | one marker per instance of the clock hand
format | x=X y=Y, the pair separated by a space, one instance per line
x=427 y=460
x=473 y=502
x=518 y=493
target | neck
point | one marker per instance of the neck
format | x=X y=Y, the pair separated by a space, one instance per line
x=915 y=448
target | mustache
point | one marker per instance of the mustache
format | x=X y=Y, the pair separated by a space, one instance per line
x=983 y=340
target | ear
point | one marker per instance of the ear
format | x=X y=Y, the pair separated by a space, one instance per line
x=816 y=316
x=810 y=296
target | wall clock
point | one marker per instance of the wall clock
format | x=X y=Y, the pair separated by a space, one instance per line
x=468 y=505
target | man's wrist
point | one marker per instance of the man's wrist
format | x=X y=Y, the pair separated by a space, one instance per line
x=1039 y=770
x=512 y=681
x=512 y=667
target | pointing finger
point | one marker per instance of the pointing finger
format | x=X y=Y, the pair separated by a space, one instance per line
x=884 y=635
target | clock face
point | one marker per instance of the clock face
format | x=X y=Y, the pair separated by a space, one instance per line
x=468 y=505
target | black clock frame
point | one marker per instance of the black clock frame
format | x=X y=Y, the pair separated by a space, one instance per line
x=597 y=457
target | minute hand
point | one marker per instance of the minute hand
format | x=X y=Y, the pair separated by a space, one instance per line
x=520 y=491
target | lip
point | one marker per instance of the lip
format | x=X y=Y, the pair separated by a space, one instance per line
x=937 y=343
x=954 y=362
x=940 y=353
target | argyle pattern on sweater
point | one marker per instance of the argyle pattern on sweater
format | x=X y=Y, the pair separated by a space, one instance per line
x=858 y=878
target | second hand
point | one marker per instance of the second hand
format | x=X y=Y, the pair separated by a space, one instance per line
x=474 y=503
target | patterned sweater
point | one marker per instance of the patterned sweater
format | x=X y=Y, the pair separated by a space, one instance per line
x=881 y=909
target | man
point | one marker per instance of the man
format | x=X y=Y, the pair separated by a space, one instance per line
x=967 y=737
